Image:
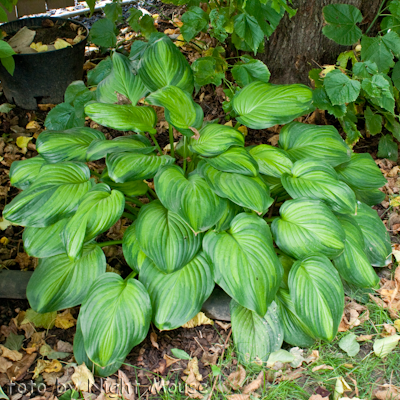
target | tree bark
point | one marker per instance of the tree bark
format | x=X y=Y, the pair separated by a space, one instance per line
x=298 y=45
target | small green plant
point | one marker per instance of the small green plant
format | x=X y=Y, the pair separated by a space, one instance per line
x=207 y=222
x=6 y=52
x=365 y=82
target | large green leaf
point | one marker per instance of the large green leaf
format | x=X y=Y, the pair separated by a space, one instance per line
x=369 y=196
x=296 y=332
x=379 y=91
x=249 y=70
x=308 y=226
x=100 y=72
x=124 y=167
x=342 y=22
x=54 y=195
x=59 y=283
x=353 y=264
x=121 y=79
x=69 y=145
x=245 y=263
x=255 y=337
x=134 y=257
x=177 y=297
x=102 y=33
x=114 y=318
x=64 y=116
x=388 y=148
x=317 y=294
x=134 y=143
x=128 y=188
x=98 y=211
x=123 y=117
x=261 y=105
x=248 y=29
x=215 y=139
x=194 y=20
x=315 y=180
x=236 y=160
x=44 y=242
x=313 y=141
x=340 y=88
x=246 y=191
x=191 y=198
x=165 y=238
x=361 y=172
x=230 y=212
x=162 y=64
x=80 y=356
x=377 y=244
x=23 y=173
x=373 y=122
x=271 y=160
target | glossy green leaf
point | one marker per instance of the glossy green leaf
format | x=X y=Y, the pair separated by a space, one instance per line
x=44 y=242
x=122 y=79
x=388 y=148
x=215 y=139
x=342 y=20
x=317 y=294
x=271 y=160
x=246 y=191
x=353 y=264
x=177 y=297
x=340 y=88
x=247 y=28
x=194 y=21
x=69 y=145
x=54 y=195
x=64 y=116
x=308 y=226
x=134 y=143
x=80 y=356
x=134 y=257
x=23 y=173
x=322 y=102
x=100 y=72
x=361 y=172
x=277 y=191
x=373 y=122
x=123 y=117
x=59 y=283
x=165 y=238
x=114 y=318
x=319 y=181
x=296 y=333
x=249 y=70
x=124 y=167
x=255 y=337
x=261 y=105
x=377 y=244
x=102 y=33
x=379 y=91
x=128 y=188
x=191 y=198
x=162 y=64
x=97 y=212
x=371 y=197
x=313 y=141
x=245 y=263
x=230 y=212
x=205 y=71
x=365 y=69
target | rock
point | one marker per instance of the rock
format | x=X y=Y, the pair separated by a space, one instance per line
x=217 y=306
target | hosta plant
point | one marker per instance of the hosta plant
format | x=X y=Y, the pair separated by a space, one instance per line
x=210 y=222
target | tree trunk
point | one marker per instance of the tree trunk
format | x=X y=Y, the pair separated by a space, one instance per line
x=298 y=45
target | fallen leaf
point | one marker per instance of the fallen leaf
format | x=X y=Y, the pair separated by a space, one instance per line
x=390 y=392
x=19 y=369
x=238 y=397
x=383 y=347
x=33 y=125
x=51 y=378
x=127 y=391
x=4 y=241
x=282 y=356
x=318 y=397
x=243 y=129
x=170 y=360
x=237 y=378
x=397 y=324
x=12 y=355
x=65 y=320
x=199 y=319
x=4 y=364
x=22 y=143
x=222 y=325
x=292 y=375
x=209 y=359
x=274 y=140
x=254 y=385
x=388 y=330
x=82 y=378
x=61 y=44
x=314 y=356
x=363 y=338
x=350 y=345
x=193 y=377
x=39 y=47
x=180 y=354
x=45 y=320
x=4 y=224
x=341 y=386
x=46 y=366
x=153 y=340
x=322 y=367
x=193 y=393
x=64 y=347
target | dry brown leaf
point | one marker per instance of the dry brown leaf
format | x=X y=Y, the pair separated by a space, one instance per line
x=323 y=366
x=12 y=355
x=170 y=360
x=314 y=356
x=65 y=320
x=254 y=385
x=19 y=369
x=237 y=378
x=318 y=397
x=127 y=391
x=37 y=341
x=4 y=364
x=192 y=393
x=64 y=347
x=194 y=377
x=199 y=319
x=222 y=325
x=274 y=140
x=209 y=359
x=82 y=378
x=351 y=316
x=46 y=366
x=238 y=397
x=388 y=330
x=51 y=378
x=390 y=392
x=292 y=375
x=363 y=338
x=153 y=339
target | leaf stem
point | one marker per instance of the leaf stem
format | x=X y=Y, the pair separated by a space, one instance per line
x=376 y=16
x=171 y=139
x=134 y=201
x=95 y=173
x=156 y=143
x=270 y=219
x=110 y=243
x=129 y=216
x=154 y=194
x=131 y=209
x=184 y=153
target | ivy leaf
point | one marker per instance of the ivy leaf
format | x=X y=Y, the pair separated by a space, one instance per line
x=205 y=72
x=250 y=70
x=365 y=69
x=387 y=148
x=247 y=28
x=102 y=33
x=147 y=26
x=340 y=88
x=133 y=19
x=218 y=21
x=380 y=91
x=342 y=20
x=194 y=21
x=322 y=101
x=373 y=122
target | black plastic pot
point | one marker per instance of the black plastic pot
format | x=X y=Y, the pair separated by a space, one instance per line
x=41 y=78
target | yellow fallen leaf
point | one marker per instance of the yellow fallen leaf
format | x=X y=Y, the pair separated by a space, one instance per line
x=78 y=39
x=82 y=378
x=12 y=355
x=395 y=201
x=32 y=125
x=341 y=386
x=194 y=377
x=397 y=324
x=22 y=143
x=39 y=47
x=383 y=347
x=199 y=319
x=170 y=360
x=4 y=224
x=326 y=70
x=243 y=129
x=46 y=366
x=323 y=366
x=65 y=320
x=61 y=44
x=4 y=241
x=229 y=123
x=180 y=41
